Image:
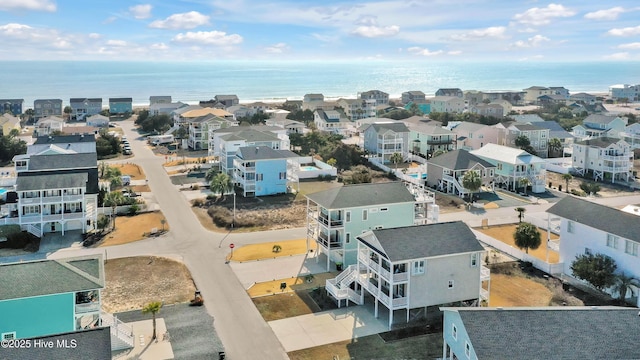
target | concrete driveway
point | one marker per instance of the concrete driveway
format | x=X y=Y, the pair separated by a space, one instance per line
x=251 y=272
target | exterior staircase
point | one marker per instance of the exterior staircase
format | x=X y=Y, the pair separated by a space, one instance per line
x=33 y=229
x=121 y=333
x=458 y=187
x=339 y=287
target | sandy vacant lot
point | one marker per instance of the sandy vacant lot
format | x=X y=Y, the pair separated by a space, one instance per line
x=517 y=291
x=134 y=228
x=135 y=281
x=132 y=170
x=504 y=233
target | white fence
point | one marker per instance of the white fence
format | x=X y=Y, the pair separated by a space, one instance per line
x=520 y=255
x=559 y=165
x=121 y=210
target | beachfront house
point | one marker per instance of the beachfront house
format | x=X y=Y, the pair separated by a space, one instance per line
x=47 y=107
x=604 y=158
x=456 y=92
x=225 y=142
x=261 y=170
x=177 y=114
x=335 y=217
x=81 y=108
x=514 y=165
x=597 y=125
x=227 y=100
x=159 y=99
x=313 y=102
x=590 y=228
x=380 y=97
x=473 y=136
x=414 y=96
x=57 y=185
x=531 y=94
x=538 y=137
x=447 y=170
x=427 y=138
x=583 y=98
x=97 y=121
x=385 y=139
x=198 y=130
x=478 y=333
x=447 y=104
x=9 y=122
x=631 y=135
x=494 y=110
x=12 y=106
x=49 y=297
x=120 y=106
x=625 y=91
x=411 y=268
x=332 y=121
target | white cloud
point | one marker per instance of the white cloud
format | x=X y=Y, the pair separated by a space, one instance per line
x=95 y=36
x=159 y=46
x=618 y=56
x=38 y=5
x=531 y=42
x=142 y=11
x=109 y=20
x=490 y=32
x=187 y=20
x=373 y=31
x=542 y=16
x=608 y=14
x=117 y=43
x=630 y=46
x=218 y=38
x=424 y=51
x=628 y=31
x=278 y=48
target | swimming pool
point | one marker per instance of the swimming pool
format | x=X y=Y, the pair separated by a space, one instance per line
x=309 y=168
x=415 y=176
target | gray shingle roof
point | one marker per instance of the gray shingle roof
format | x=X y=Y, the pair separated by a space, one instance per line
x=553 y=333
x=601 y=142
x=395 y=127
x=351 y=196
x=45 y=277
x=38 y=181
x=94 y=344
x=251 y=135
x=525 y=127
x=459 y=160
x=63 y=139
x=598 y=216
x=555 y=130
x=599 y=119
x=62 y=161
x=425 y=241
x=261 y=153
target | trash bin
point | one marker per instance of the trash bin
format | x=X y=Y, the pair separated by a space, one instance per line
x=221 y=355
x=339 y=266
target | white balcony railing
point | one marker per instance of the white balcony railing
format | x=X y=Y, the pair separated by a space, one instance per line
x=400 y=302
x=484 y=294
x=73 y=198
x=400 y=277
x=51 y=199
x=485 y=273
x=87 y=307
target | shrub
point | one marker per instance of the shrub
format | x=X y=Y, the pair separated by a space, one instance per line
x=133 y=209
x=577 y=192
x=197 y=202
x=195 y=187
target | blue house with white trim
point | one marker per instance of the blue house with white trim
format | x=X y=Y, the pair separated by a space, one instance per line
x=261 y=170
x=120 y=105
x=13 y=106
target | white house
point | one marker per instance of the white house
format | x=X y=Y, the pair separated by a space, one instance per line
x=331 y=121
x=590 y=228
x=596 y=125
x=386 y=139
x=380 y=97
x=98 y=121
x=538 y=137
x=620 y=91
x=604 y=158
x=513 y=165
x=631 y=135
x=414 y=267
x=447 y=104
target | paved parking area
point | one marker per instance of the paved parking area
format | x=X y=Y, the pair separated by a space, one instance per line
x=251 y=272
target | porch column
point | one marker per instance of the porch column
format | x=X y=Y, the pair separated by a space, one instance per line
x=390 y=316
x=375 y=308
x=62 y=225
x=329 y=254
x=444 y=349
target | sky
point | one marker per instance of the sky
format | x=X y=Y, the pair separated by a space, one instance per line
x=442 y=30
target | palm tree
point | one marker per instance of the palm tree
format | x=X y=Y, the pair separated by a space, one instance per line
x=221 y=183
x=555 y=146
x=113 y=199
x=567 y=178
x=520 y=211
x=527 y=236
x=396 y=158
x=624 y=283
x=524 y=182
x=162 y=222
x=472 y=182
x=152 y=308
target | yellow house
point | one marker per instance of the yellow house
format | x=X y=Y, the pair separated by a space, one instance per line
x=9 y=122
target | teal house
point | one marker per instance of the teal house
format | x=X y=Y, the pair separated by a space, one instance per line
x=120 y=105
x=46 y=297
x=335 y=217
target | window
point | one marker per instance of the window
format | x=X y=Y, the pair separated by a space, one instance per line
x=474 y=259
x=384 y=209
x=417 y=267
x=347 y=238
x=587 y=251
x=282 y=175
x=347 y=216
x=631 y=248
x=467 y=350
x=612 y=241
x=454 y=332
x=259 y=177
x=365 y=215
x=570 y=227
x=9 y=335
x=450 y=285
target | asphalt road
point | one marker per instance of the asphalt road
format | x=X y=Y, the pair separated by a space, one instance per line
x=243 y=332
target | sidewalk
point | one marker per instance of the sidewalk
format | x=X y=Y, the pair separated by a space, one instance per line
x=144 y=347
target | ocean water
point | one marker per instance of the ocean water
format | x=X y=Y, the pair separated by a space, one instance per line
x=273 y=81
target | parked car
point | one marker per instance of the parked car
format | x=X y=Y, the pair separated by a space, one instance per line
x=126 y=152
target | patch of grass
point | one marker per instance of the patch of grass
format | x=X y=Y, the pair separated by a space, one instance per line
x=6 y=230
x=293 y=284
x=282 y=306
x=265 y=250
x=134 y=228
x=373 y=347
